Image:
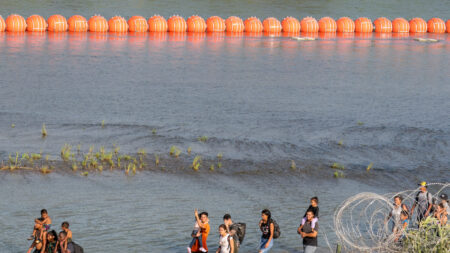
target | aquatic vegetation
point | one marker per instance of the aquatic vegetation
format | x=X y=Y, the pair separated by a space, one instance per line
x=44 y=131
x=103 y=123
x=36 y=157
x=189 y=150
x=154 y=131
x=156 y=160
x=293 y=165
x=369 y=167
x=13 y=125
x=360 y=123
x=341 y=142
x=219 y=165
x=74 y=166
x=211 y=168
x=338 y=174
x=220 y=156
x=85 y=173
x=45 y=170
x=337 y=166
x=196 y=163
x=175 y=151
x=66 y=152
x=202 y=138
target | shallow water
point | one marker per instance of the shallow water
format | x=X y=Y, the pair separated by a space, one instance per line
x=262 y=101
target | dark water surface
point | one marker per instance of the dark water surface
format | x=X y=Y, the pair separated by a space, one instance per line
x=262 y=101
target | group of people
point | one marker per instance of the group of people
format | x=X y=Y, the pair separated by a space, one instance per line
x=232 y=234
x=46 y=240
x=426 y=206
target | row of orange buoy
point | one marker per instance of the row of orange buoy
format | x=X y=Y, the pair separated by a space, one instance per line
x=97 y=23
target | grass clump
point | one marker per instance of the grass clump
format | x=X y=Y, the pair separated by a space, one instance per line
x=203 y=138
x=338 y=166
x=429 y=237
x=44 y=131
x=369 y=167
x=196 y=163
x=293 y=165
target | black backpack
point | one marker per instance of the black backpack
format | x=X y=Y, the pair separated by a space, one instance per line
x=276 y=230
x=77 y=248
x=240 y=231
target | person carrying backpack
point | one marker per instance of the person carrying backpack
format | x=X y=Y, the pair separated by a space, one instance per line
x=269 y=229
x=309 y=233
x=236 y=230
x=67 y=247
x=226 y=242
x=424 y=203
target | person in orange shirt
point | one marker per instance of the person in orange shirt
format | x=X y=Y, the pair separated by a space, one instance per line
x=203 y=222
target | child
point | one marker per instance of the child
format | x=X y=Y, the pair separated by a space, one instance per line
x=65 y=228
x=37 y=237
x=314 y=207
x=226 y=243
x=45 y=223
x=196 y=235
x=404 y=222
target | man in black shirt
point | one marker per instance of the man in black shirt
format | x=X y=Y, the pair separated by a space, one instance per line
x=308 y=231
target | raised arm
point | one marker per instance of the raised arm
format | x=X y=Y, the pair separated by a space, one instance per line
x=200 y=223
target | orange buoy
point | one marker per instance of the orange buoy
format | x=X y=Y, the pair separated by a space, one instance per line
x=400 y=25
x=309 y=25
x=290 y=25
x=98 y=23
x=137 y=24
x=271 y=25
x=15 y=23
x=215 y=24
x=196 y=24
x=253 y=25
x=345 y=25
x=363 y=25
x=118 y=24
x=2 y=24
x=383 y=25
x=234 y=24
x=436 y=25
x=77 y=23
x=157 y=24
x=417 y=25
x=36 y=23
x=57 y=23
x=447 y=24
x=327 y=25
x=176 y=24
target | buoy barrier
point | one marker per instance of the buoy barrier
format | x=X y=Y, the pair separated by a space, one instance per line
x=271 y=26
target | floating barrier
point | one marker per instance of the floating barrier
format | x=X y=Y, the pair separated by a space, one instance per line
x=417 y=25
x=436 y=25
x=77 y=23
x=345 y=25
x=137 y=24
x=234 y=24
x=271 y=26
x=196 y=24
x=363 y=25
x=15 y=23
x=176 y=24
x=36 y=23
x=57 y=23
x=400 y=25
x=157 y=24
x=327 y=25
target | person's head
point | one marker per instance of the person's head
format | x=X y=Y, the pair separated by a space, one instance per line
x=37 y=226
x=44 y=213
x=65 y=225
x=266 y=215
x=443 y=197
x=222 y=230
x=52 y=236
x=404 y=215
x=204 y=217
x=62 y=236
x=309 y=215
x=440 y=208
x=423 y=186
x=314 y=201
x=227 y=220
x=398 y=200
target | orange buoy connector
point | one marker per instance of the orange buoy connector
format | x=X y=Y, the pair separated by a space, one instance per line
x=271 y=25
x=15 y=23
x=290 y=25
x=2 y=24
x=436 y=25
x=400 y=25
x=57 y=23
x=176 y=24
x=215 y=24
x=309 y=25
x=137 y=24
x=417 y=25
x=327 y=25
x=234 y=24
x=383 y=25
x=363 y=25
x=98 y=23
x=253 y=25
x=196 y=24
x=36 y=23
x=118 y=24
x=345 y=25
x=77 y=23
x=157 y=24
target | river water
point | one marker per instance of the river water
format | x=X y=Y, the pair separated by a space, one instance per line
x=262 y=102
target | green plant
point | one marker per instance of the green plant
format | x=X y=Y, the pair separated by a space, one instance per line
x=45 y=170
x=293 y=165
x=103 y=123
x=154 y=131
x=189 y=150
x=85 y=173
x=338 y=174
x=369 y=167
x=341 y=142
x=211 y=168
x=13 y=125
x=220 y=156
x=429 y=237
x=196 y=163
x=219 y=165
x=360 y=123
x=44 y=131
x=337 y=166
x=66 y=152
x=202 y=138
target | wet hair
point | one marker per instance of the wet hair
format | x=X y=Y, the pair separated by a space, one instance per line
x=315 y=199
x=65 y=224
x=399 y=197
x=53 y=233
x=40 y=219
x=267 y=213
x=405 y=213
x=227 y=217
x=311 y=211
x=441 y=205
x=204 y=213
x=44 y=211
x=223 y=227
x=63 y=233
